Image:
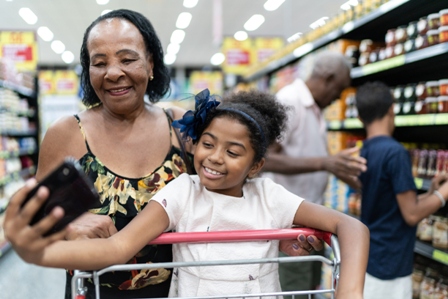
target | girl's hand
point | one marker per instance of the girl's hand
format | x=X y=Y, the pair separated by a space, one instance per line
x=303 y=246
x=28 y=241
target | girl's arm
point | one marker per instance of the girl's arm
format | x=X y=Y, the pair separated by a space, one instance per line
x=354 y=241
x=88 y=254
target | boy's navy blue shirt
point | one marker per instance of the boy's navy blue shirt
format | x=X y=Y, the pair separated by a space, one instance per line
x=392 y=241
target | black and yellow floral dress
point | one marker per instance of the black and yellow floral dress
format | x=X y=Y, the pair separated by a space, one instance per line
x=122 y=198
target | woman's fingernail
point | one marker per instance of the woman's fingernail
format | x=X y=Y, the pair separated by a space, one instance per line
x=302 y=238
x=295 y=246
x=310 y=239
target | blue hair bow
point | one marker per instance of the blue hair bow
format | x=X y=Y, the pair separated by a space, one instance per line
x=191 y=120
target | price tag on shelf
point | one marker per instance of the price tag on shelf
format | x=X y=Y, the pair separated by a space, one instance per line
x=352 y=123
x=440 y=256
x=383 y=65
x=441 y=119
x=334 y=125
x=418 y=183
x=426 y=119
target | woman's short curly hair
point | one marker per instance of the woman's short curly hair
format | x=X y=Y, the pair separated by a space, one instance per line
x=156 y=88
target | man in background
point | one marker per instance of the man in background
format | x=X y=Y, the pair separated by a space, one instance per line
x=300 y=162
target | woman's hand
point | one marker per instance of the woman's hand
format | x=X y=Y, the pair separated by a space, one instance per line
x=90 y=226
x=437 y=181
x=303 y=246
x=28 y=241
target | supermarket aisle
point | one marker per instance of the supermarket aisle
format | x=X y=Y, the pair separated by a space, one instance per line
x=19 y=280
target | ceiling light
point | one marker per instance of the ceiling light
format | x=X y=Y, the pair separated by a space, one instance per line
x=190 y=3
x=254 y=22
x=173 y=49
x=177 y=37
x=240 y=35
x=319 y=23
x=169 y=58
x=102 y=2
x=183 y=20
x=105 y=11
x=68 y=57
x=45 y=33
x=294 y=37
x=57 y=46
x=217 y=59
x=28 y=15
x=272 y=5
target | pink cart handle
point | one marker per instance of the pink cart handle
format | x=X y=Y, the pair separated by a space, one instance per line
x=240 y=236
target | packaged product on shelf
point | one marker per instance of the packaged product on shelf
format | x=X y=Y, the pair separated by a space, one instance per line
x=433 y=37
x=401 y=34
x=432 y=104
x=431 y=167
x=422 y=26
x=441 y=290
x=398 y=93
x=421 y=42
x=443 y=34
x=443 y=87
x=417 y=278
x=440 y=162
x=415 y=156
x=390 y=38
x=442 y=104
x=433 y=21
x=440 y=233
x=422 y=163
x=409 y=99
x=425 y=228
x=443 y=15
x=427 y=287
x=412 y=30
x=409 y=45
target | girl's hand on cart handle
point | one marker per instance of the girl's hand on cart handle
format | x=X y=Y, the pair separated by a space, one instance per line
x=90 y=226
x=302 y=246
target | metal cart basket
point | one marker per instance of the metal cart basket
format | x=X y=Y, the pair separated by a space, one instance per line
x=78 y=289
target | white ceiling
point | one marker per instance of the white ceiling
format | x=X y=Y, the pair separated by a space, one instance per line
x=69 y=18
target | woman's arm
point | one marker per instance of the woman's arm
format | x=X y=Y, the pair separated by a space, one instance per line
x=88 y=254
x=354 y=241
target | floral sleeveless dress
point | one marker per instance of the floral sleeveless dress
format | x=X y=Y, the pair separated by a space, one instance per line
x=122 y=198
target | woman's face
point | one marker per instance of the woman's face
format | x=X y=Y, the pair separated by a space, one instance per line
x=224 y=157
x=120 y=66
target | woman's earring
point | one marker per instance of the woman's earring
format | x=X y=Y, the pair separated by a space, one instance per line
x=151 y=78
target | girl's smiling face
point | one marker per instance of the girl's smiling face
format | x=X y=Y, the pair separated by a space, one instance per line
x=224 y=157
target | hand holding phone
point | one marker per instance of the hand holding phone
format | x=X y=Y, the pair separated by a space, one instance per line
x=70 y=189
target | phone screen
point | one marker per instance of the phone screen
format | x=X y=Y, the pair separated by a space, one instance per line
x=70 y=189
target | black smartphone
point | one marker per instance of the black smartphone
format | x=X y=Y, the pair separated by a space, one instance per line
x=71 y=189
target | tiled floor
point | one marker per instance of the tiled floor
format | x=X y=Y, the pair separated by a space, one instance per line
x=19 y=280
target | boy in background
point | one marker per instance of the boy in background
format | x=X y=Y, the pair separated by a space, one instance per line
x=390 y=208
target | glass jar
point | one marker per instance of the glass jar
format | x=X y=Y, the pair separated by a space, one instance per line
x=433 y=21
x=443 y=34
x=420 y=91
x=427 y=287
x=443 y=87
x=411 y=30
x=409 y=45
x=440 y=233
x=443 y=104
x=366 y=45
x=421 y=42
x=382 y=54
x=422 y=26
x=443 y=17
x=433 y=37
x=401 y=34
x=390 y=37
x=409 y=99
x=432 y=88
x=431 y=104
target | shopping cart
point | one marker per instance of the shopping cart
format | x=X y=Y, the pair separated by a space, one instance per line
x=79 y=290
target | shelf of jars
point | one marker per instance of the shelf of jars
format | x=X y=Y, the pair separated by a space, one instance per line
x=15 y=175
x=434 y=119
x=357 y=24
x=401 y=60
x=25 y=91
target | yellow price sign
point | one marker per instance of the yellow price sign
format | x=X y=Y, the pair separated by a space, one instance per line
x=440 y=256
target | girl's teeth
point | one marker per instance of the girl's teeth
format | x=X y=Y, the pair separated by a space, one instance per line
x=212 y=171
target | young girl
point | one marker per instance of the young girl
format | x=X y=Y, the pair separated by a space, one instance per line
x=231 y=139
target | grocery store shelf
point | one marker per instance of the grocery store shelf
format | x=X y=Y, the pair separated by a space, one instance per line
x=4 y=247
x=425 y=249
x=24 y=173
x=437 y=119
x=18 y=153
x=19 y=133
x=422 y=184
x=391 y=63
x=17 y=88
